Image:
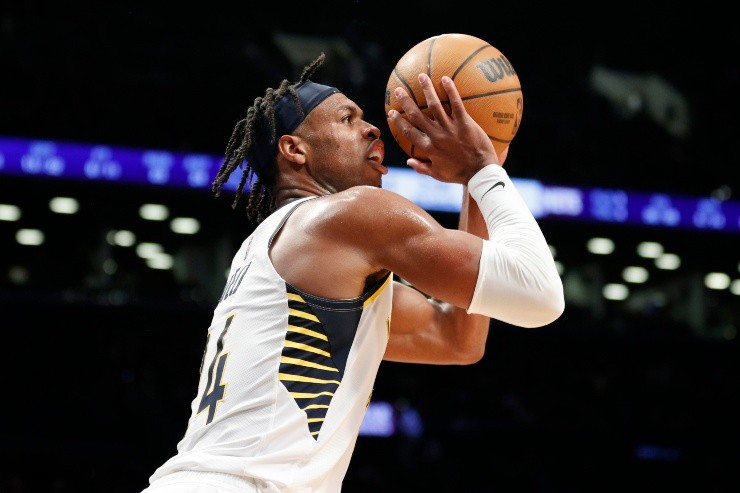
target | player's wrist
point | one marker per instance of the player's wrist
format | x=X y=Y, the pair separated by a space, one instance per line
x=485 y=178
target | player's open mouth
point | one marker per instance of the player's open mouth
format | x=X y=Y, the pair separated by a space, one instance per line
x=376 y=155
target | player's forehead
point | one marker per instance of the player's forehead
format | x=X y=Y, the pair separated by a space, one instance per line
x=336 y=104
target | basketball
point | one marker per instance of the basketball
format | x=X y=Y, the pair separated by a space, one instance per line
x=484 y=77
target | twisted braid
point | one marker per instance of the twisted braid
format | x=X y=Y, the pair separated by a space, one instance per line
x=260 y=202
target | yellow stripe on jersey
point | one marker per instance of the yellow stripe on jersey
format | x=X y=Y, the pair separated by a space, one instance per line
x=296 y=297
x=317 y=406
x=304 y=395
x=308 y=332
x=299 y=362
x=301 y=378
x=299 y=314
x=308 y=348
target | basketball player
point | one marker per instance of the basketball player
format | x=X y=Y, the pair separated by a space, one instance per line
x=311 y=306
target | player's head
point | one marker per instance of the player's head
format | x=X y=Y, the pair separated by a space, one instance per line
x=254 y=140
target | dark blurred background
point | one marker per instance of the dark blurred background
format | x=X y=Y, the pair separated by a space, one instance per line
x=622 y=393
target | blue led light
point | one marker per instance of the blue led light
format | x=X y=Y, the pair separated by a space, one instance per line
x=95 y=162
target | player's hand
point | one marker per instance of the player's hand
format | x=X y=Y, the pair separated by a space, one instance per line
x=456 y=146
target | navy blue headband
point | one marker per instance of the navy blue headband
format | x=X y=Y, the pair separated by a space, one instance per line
x=287 y=119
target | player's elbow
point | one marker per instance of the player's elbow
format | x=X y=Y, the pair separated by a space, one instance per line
x=469 y=354
x=472 y=356
x=528 y=306
x=545 y=308
x=467 y=344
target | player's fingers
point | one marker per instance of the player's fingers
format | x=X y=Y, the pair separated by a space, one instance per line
x=415 y=123
x=421 y=167
x=433 y=102
x=401 y=127
x=453 y=95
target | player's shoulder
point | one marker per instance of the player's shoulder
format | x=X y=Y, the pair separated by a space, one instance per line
x=358 y=205
x=369 y=193
x=363 y=198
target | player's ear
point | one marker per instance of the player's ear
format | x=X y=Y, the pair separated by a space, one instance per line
x=293 y=148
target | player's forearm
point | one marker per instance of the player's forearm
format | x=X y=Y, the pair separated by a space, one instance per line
x=468 y=332
x=452 y=337
x=518 y=282
x=471 y=219
x=465 y=334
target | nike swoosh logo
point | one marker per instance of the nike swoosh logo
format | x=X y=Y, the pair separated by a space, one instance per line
x=503 y=185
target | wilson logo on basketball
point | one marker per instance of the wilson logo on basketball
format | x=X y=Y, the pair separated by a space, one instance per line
x=496 y=69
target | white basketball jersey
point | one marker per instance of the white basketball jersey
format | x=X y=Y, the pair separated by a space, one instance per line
x=286 y=377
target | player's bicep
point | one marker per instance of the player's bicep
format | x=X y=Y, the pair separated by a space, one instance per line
x=442 y=263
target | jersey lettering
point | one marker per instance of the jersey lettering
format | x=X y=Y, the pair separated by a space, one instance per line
x=212 y=397
x=234 y=281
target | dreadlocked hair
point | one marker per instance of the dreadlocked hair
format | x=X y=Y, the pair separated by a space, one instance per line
x=260 y=202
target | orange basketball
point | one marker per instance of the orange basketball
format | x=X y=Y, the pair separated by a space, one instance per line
x=485 y=78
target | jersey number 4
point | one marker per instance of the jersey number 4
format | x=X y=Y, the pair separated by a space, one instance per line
x=212 y=396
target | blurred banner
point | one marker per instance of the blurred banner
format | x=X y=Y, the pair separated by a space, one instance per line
x=45 y=159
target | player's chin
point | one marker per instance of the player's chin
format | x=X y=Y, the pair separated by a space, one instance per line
x=376 y=181
x=365 y=181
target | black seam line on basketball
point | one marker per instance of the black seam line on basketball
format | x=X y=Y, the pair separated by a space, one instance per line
x=465 y=62
x=467 y=98
x=503 y=141
x=491 y=137
x=492 y=93
x=503 y=185
x=429 y=57
x=407 y=85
